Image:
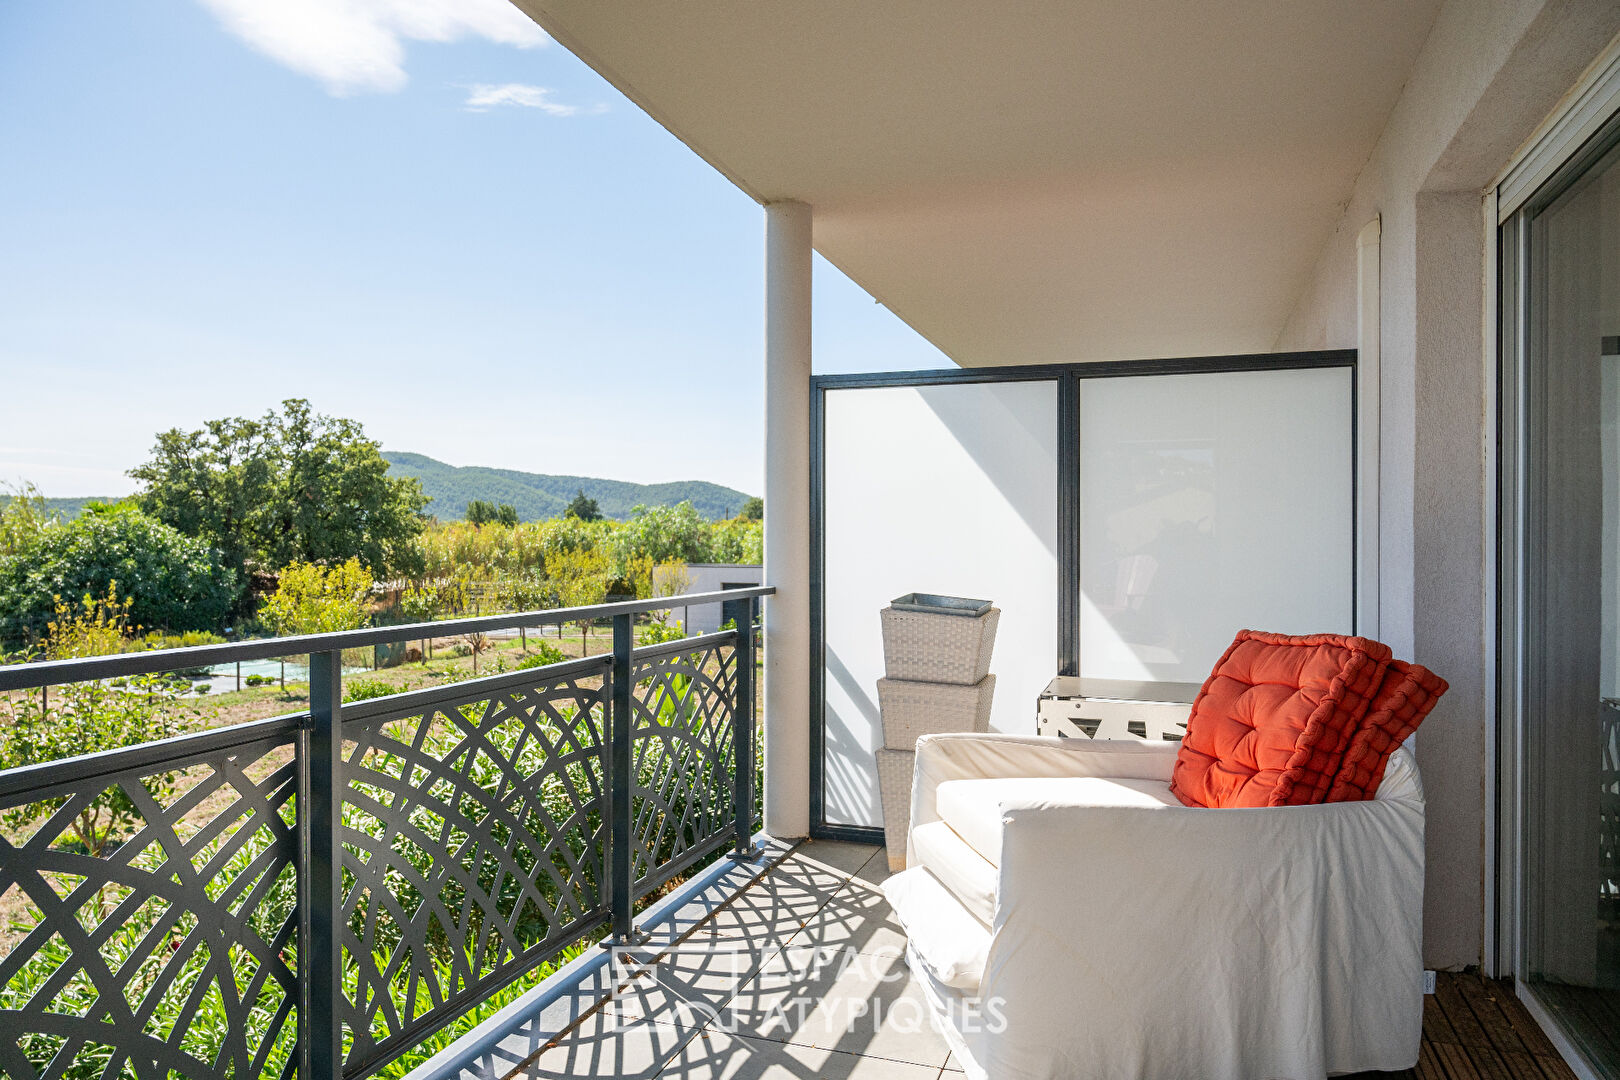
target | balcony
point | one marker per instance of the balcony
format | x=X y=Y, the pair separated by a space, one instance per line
x=317 y=893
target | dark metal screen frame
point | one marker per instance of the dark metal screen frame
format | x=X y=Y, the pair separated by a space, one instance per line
x=1068 y=379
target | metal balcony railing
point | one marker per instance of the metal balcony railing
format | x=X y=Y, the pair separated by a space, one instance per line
x=313 y=894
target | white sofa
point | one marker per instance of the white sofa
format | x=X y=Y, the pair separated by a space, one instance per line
x=1068 y=917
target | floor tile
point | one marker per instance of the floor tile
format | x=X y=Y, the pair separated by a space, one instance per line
x=717 y=1056
x=875 y=871
x=858 y=917
x=772 y=910
x=602 y=1049
x=840 y=856
x=693 y=981
x=533 y=1032
x=671 y=924
x=835 y=999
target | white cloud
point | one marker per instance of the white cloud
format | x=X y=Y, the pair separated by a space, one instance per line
x=482 y=97
x=354 y=46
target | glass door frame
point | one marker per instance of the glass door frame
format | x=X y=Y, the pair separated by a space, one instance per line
x=1572 y=143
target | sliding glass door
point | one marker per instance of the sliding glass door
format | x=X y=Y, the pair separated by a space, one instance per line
x=1562 y=263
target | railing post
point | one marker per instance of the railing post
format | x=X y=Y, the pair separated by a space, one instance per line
x=741 y=613
x=620 y=782
x=321 y=897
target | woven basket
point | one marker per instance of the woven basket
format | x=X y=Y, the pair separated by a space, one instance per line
x=894 y=787
x=914 y=709
x=923 y=647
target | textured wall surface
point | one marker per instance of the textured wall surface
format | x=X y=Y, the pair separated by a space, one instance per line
x=1489 y=73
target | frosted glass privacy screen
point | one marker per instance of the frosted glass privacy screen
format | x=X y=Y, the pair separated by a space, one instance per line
x=1210 y=503
x=941 y=489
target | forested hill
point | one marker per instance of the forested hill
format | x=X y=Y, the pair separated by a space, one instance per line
x=535 y=495
x=67 y=509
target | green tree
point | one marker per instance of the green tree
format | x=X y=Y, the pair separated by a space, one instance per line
x=480 y=512
x=291 y=487
x=581 y=578
x=583 y=508
x=737 y=540
x=753 y=509
x=23 y=517
x=663 y=534
x=172 y=581
x=420 y=604
x=506 y=514
x=314 y=599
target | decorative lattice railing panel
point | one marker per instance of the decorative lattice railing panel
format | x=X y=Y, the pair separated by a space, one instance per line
x=152 y=924
x=473 y=826
x=160 y=891
x=683 y=707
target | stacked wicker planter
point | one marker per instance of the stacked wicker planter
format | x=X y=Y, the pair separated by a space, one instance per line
x=937 y=668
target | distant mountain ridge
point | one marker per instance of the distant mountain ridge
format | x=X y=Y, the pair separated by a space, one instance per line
x=70 y=508
x=536 y=496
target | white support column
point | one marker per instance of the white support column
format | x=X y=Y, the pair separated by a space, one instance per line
x=787 y=518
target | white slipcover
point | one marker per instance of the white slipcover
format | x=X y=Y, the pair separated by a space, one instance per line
x=1135 y=937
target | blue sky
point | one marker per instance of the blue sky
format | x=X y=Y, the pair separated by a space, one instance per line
x=419 y=213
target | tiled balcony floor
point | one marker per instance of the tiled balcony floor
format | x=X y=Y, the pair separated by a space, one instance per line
x=800 y=975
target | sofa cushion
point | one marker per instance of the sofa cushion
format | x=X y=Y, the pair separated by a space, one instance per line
x=949 y=940
x=972 y=808
x=959 y=868
x=1405 y=697
x=1270 y=726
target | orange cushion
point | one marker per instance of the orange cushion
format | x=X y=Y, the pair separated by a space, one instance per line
x=1405 y=698
x=1272 y=722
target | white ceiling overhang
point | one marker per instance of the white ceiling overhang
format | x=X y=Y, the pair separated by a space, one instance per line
x=1033 y=182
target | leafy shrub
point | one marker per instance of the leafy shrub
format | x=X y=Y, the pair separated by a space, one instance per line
x=258 y=680
x=657 y=633
x=365 y=689
x=201 y=688
x=541 y=654
x=419 y=604
x=314 y=599
x=172 y=581
x=83 y=718
x=188 y=640
x=24 y=515
x=737 y=541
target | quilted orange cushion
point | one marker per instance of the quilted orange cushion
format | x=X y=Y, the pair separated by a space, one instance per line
x=1272 y=722
x=1405 y=698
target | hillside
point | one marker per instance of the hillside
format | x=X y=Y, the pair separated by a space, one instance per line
x=67 y=508
x=536 y=495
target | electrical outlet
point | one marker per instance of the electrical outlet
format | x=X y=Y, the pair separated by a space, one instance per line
x=1428 y=982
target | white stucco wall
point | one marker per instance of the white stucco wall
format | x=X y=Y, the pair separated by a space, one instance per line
x=702 y=578
x=1489 y=73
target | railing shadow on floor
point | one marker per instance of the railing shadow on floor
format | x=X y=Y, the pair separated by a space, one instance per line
x=313 y=894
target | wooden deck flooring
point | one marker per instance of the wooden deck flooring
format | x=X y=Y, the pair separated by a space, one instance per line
x=1475 y=1029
